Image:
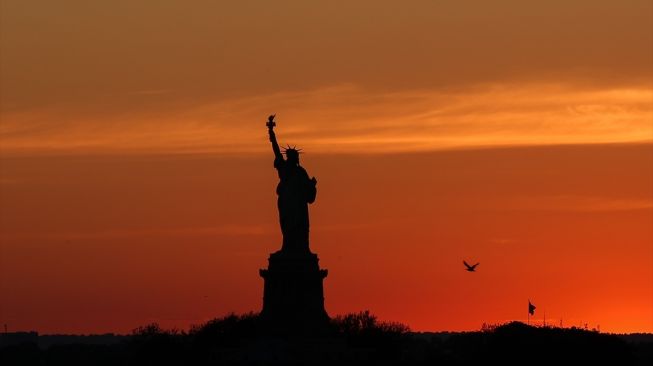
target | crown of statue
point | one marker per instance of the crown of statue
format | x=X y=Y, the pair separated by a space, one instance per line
x=291 y=150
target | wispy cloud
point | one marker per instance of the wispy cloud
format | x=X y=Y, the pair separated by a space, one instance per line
x=350 y=119
x=151 y=92
x=220 y=230
x=502 y=241
x=4 y=180
x=576 y=203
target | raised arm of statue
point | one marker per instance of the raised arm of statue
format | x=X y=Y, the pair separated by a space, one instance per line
x=273 y=138
x=275 y=145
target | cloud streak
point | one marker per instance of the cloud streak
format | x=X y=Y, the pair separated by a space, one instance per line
x=571 y=203
x=121 y=233
x=351 y=119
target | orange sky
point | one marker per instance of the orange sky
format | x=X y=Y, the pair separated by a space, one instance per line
x=136 y=179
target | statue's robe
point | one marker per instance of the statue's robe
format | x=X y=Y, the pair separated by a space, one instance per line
x=295 y=191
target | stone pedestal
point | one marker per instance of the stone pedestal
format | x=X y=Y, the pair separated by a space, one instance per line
x=293 y=295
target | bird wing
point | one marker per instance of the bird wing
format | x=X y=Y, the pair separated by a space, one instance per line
x=467 y=264
x=474 y=266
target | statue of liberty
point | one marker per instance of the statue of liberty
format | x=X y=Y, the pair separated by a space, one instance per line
x=295 y=191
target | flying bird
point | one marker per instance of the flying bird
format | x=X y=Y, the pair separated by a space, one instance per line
x=470 y=268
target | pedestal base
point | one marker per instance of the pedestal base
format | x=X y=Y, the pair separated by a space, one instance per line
x=293 y=295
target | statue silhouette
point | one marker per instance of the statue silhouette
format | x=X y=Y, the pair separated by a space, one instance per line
x=293 y=294
x=295 y=191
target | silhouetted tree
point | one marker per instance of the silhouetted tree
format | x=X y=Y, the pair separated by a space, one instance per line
x=229 y=330
x=151 y=345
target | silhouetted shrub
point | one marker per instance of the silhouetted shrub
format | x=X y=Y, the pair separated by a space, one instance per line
x=365 y=323
x=383 y=341
x=230 y=330
x=151 y=345
x=355 y=339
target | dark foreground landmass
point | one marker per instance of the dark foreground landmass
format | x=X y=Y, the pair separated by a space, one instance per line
x=354 y=339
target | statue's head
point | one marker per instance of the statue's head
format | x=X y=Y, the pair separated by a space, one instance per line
x=292 y=155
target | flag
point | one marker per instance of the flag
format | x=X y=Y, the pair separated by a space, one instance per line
x=531 y=308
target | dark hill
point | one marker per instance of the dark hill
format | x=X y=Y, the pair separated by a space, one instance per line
x=353 y=339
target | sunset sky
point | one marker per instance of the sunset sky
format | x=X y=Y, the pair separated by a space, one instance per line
x=136 y=177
